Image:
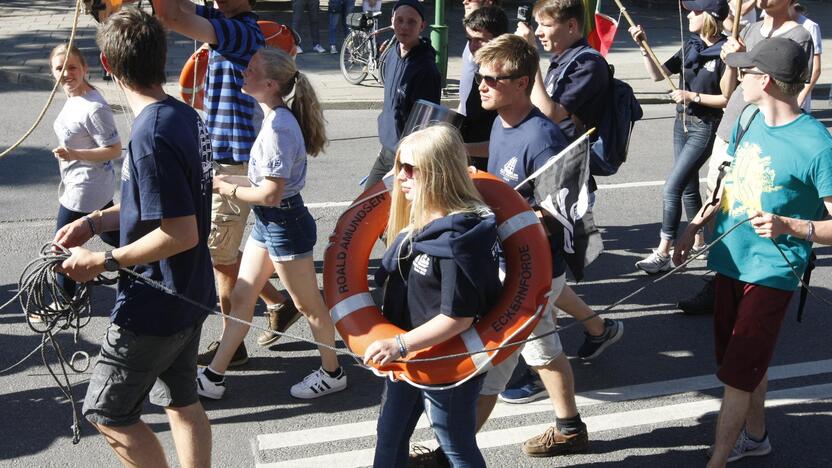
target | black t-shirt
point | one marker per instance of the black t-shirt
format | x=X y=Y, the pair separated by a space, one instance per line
x=702 y=69
x=166 y=174
x=477 y=124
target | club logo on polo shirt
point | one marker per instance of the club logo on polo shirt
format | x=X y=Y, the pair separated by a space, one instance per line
x=710 y=65
x=421 y=264
x=508 y=171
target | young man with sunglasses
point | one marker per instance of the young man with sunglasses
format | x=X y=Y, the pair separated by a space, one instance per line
x=781 y=179
x=410 y=74
x=522 y=140
x=777 y=23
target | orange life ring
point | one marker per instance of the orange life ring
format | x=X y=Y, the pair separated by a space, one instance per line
x=192 y=76
x=360 y=322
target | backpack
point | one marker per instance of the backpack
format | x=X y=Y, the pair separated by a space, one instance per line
x=611 y=141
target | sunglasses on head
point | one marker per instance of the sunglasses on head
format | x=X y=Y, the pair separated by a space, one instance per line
x=408 y=169
x=491 y=81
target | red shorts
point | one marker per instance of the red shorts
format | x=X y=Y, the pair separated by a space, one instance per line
x=747 y=319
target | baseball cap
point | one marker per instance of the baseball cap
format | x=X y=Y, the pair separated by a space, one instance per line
x=779 y=57
x=716 y=8
x=415 y=4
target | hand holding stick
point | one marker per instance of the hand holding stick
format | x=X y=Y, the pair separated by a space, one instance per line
x=644 y=45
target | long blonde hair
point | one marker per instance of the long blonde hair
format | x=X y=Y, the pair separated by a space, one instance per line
x=281 y=67
x=439 y=155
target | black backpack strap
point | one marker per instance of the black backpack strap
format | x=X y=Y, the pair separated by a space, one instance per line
x=804 y=288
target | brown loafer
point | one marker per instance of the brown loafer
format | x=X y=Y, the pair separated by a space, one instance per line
x=552 y=443
x=280 y=319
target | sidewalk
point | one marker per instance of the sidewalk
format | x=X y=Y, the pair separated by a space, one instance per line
x=30 y=28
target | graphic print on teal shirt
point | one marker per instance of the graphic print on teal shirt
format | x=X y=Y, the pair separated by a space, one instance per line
x=785 y=170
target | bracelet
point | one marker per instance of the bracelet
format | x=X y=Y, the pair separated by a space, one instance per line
x=91 y=224
x=402 y=346
x=233 y=193
x=811 y=234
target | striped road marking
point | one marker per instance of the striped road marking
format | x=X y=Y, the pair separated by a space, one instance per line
x=599 y=423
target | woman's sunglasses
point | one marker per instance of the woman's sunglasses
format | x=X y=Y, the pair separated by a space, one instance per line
x=408 y=169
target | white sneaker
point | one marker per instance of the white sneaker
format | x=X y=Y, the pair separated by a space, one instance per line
x=206 y=388
x=318 y=384
x=333 y=49
x=298 y=50
x=655 y=263
x=745 y=447
x=317 y=48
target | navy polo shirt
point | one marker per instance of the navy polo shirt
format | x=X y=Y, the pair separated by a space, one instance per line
x=702 y=69
x=583 y=88
x=516 y=152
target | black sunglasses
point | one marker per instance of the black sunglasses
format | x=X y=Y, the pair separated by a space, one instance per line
x=491 y=81
x=748 y=71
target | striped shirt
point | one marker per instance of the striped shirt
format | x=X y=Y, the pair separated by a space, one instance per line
x=233 y=118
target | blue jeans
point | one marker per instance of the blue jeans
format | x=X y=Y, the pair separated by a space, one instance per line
x=338 y=10
x=312 y=7
x=452 y=415
x=66 y=216
x=691 y=150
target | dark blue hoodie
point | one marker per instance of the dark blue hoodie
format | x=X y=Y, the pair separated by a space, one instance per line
x=406 y=80
x=449 y=267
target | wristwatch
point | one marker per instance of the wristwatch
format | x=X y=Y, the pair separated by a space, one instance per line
x=110 y=263
x=697 y=99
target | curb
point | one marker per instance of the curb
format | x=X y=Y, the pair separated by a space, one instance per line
x=38 y=82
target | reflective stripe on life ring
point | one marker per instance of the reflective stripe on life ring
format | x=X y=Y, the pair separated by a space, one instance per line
x=511 y=319
x=192 y=76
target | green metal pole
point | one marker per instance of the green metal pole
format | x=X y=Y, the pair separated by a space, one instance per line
x=439 y=39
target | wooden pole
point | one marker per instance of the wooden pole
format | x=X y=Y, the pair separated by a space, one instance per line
x=735 y=33
x=644 y=45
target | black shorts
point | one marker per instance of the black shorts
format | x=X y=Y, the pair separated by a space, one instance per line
x=132 y=366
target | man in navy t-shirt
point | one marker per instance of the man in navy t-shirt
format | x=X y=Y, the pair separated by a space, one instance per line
x=522 y=140
x=164 y=218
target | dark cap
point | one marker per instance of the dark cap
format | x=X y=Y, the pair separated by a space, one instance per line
x=416 y=5
x=716 y=8
x=779 y=57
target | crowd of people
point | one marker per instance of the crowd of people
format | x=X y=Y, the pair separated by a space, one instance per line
x=188 y=186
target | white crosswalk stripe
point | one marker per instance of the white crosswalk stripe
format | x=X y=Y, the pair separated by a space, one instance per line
x=516 y=435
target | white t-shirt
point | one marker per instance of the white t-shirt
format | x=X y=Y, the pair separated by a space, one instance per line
x=86 y=122
x=814 y=30
x=365 y=6
x=745 y=20
x=466 y=78
x=279 y=151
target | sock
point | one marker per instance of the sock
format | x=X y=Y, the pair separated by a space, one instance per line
x=212 y=375
x=334 y=374
x=765 y=434
x=569 y=426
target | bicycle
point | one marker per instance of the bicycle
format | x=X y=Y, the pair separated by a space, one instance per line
x=361 y=54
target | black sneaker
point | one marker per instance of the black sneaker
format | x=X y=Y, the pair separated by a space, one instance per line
x=423 y=457
x=281 y=317
x=240 y=356
x=595 y=345
x=703 y=302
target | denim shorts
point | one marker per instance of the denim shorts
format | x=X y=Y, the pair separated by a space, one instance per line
x=287 y=232
x=132 y=367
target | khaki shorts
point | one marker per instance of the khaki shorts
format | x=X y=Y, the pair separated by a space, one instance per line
x=536 y=353
x=228 y=221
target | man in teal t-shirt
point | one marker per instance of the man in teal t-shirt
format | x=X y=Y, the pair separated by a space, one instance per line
x=781 y=179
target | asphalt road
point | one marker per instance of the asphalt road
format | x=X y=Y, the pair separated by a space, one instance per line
x=648 y=401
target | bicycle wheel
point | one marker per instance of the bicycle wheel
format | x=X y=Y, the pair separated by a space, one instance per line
x=355 y=55
x=387 y=45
